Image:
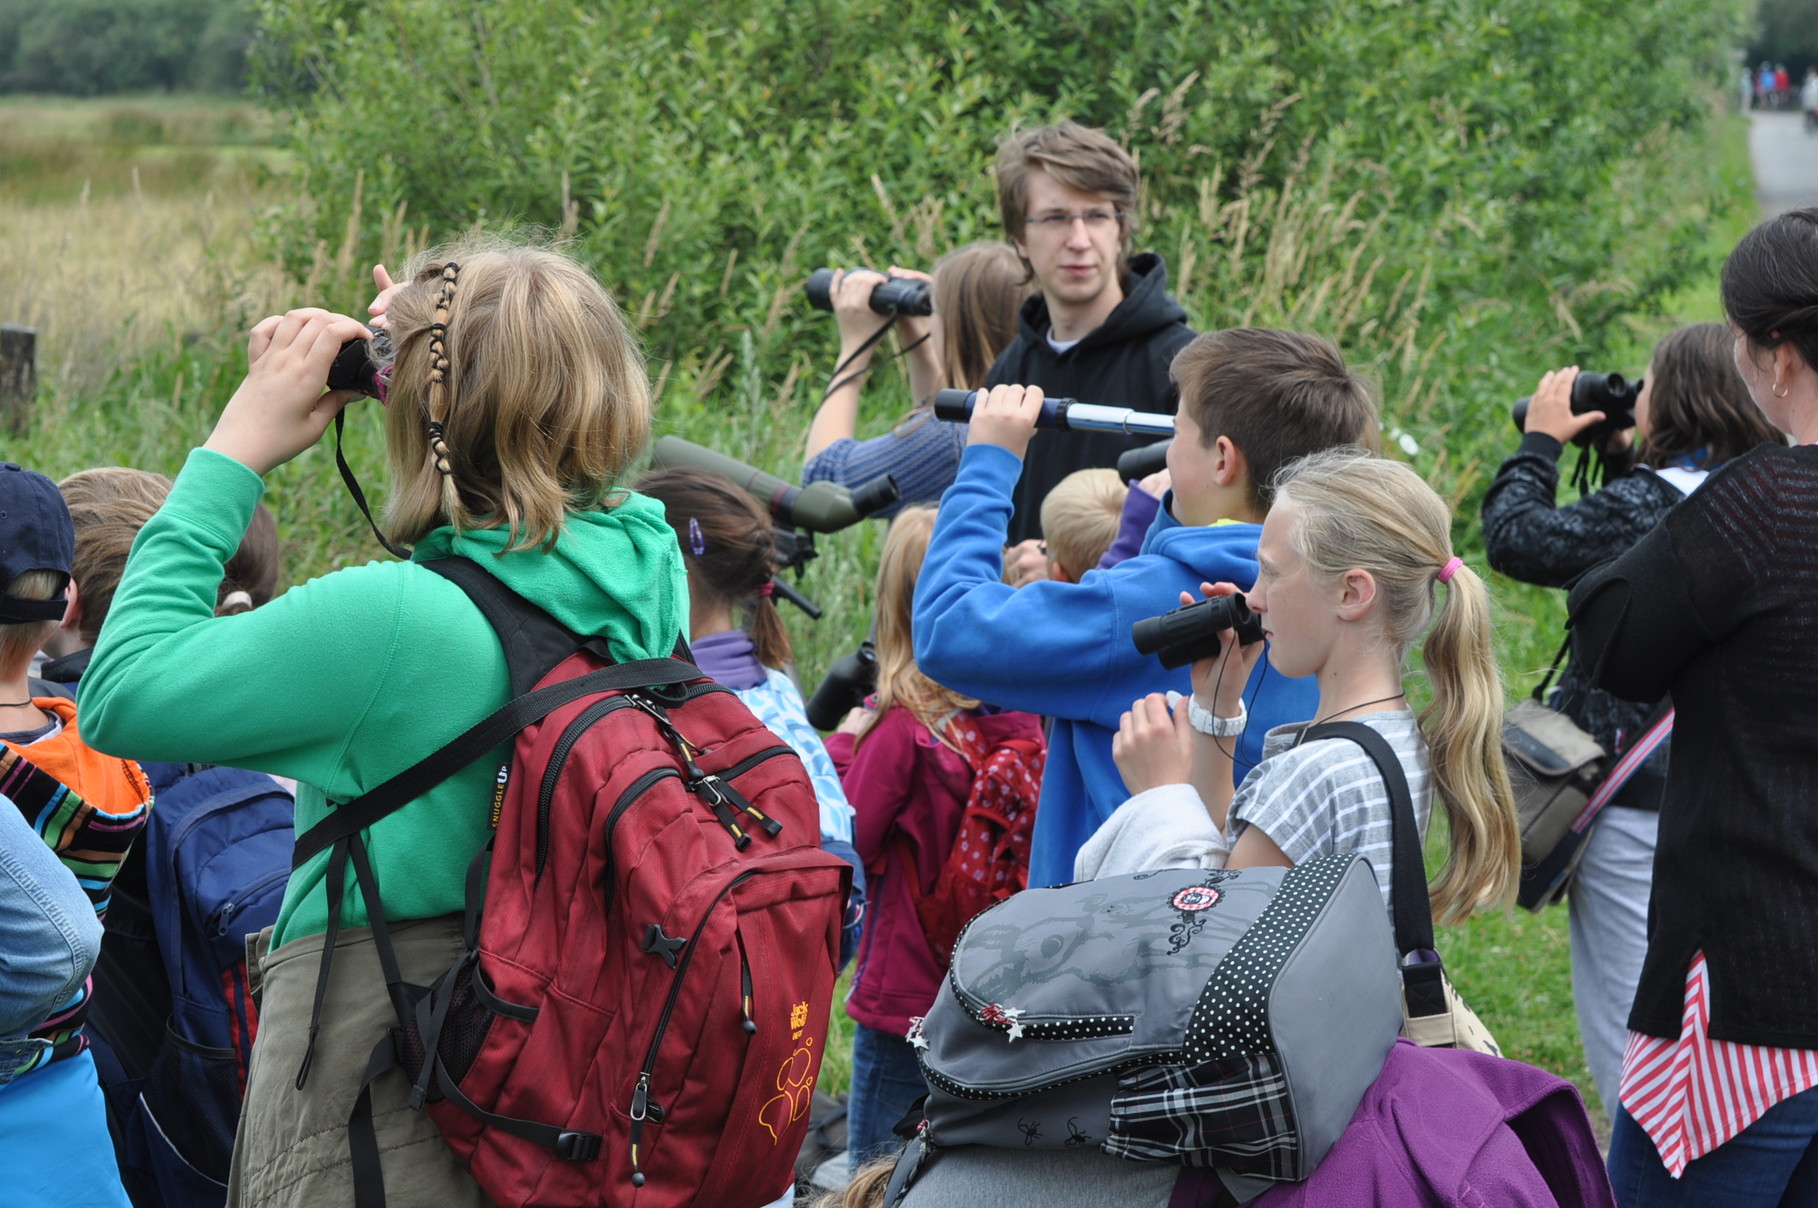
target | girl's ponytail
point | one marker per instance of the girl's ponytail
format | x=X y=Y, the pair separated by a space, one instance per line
x=765 y=625
x=1368 y=513
x=1463 y=729
x=729 y=545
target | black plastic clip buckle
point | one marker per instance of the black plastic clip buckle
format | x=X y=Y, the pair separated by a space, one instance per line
x=578 y=1146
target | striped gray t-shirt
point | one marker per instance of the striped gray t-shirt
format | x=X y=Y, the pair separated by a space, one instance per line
x=1326 y=797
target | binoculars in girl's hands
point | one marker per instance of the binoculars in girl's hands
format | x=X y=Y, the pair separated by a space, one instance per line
x=355 y=367
x=893 y=295
x=1189 y=634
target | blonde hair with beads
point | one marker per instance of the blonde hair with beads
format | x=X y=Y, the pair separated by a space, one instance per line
x=1363 y=512
x=533 y=383
x=899 y=680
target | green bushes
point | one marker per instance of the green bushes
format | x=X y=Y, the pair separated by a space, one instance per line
x=1462 y=193
x=1427 y=179
x=101 y=47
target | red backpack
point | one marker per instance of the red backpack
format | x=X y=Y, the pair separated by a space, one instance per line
x=989 y=859
x=642 y=1009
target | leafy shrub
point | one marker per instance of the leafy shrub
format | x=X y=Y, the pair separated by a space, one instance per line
x=1468 y=163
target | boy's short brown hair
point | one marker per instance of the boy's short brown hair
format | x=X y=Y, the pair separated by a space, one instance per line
x=1276 y=395
x=108 y=505
x=1079 y=157
x=1080 y=518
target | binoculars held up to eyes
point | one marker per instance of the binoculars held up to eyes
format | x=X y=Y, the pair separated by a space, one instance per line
x=1190 y=633
x=893 y=295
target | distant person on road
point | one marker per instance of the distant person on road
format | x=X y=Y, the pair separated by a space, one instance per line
x=1808 y=91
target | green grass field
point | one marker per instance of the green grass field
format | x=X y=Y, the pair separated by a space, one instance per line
x=133 y=234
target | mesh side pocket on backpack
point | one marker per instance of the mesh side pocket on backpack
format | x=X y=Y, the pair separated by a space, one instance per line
x=463 y=1032
x=1231 y=1112
x=193 y=1098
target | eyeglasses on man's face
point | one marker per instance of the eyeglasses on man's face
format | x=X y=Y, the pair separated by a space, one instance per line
x=1056 y=221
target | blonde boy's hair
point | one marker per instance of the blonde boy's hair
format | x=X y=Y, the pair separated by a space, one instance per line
x=108 y=506
x=1080 y=518
x=22 y=639
x=547 y=400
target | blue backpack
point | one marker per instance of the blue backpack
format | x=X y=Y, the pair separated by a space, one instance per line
x=217 y=854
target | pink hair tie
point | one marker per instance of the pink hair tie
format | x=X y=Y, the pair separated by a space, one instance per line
x=766 y=589
x=1449 y=569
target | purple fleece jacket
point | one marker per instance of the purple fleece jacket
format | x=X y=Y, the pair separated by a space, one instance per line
x=1445 y=1128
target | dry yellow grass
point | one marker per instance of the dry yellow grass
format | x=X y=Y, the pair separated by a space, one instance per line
x=110 y=244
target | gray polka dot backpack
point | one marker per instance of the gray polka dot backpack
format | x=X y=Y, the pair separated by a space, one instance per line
x=1223 y=1019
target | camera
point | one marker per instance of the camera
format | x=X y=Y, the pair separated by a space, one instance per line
x=1610 y=393
x=893 y=295
x=847 y=684
x=1190 y=633
x=354 y=368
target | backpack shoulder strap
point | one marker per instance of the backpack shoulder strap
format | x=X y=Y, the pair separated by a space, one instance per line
x=534 y=641
x=352 y=817
x=1408 y=877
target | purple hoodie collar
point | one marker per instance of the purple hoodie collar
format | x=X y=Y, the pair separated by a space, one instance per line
x=730 y=658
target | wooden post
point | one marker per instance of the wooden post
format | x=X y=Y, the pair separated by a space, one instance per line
x=18 y=376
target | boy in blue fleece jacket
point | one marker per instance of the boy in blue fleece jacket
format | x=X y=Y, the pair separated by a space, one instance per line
x=1252 y=400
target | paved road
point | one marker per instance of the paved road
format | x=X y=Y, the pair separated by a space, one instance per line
x=1786 y=162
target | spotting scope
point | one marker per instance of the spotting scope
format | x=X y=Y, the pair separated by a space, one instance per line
x=819 y=507
x=1064 y=415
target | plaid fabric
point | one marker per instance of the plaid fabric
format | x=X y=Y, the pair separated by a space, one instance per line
x=1231 y=1112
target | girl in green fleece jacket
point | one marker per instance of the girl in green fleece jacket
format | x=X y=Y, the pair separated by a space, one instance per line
x=506 y=426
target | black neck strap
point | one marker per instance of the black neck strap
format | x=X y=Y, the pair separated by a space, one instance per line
x=353 y=488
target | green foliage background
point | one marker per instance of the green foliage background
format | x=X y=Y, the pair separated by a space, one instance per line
x=1461 y=193
x=101 y=47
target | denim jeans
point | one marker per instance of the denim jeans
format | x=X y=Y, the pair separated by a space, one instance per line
x=886 y=1082
x=1609 y=927
x=1771 y=1162
x=51 y=935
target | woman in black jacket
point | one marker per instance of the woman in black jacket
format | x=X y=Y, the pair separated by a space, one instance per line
x=1694 y=413
x=1720 y=1078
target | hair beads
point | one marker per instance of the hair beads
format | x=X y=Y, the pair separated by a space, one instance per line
x=438 y=371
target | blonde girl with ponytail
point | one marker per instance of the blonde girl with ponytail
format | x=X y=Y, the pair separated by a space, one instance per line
x=908 y=779
x=1355 y=565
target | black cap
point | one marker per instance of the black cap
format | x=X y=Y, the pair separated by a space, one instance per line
x=35 y=534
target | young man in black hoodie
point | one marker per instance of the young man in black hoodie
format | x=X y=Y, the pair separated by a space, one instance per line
x=1104 y=327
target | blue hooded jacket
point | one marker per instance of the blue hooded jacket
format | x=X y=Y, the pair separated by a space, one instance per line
x=1063 y=650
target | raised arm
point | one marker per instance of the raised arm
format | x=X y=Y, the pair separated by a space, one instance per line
x=837 y=417
x=171 y=681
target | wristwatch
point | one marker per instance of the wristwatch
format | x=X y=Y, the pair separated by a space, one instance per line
x=1208 y=722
